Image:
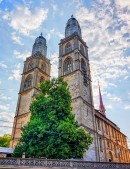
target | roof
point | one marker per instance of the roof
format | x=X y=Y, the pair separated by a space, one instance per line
x=5 y=150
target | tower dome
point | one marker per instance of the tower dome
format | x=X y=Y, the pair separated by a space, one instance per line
x=72 y=26
x=39 y=46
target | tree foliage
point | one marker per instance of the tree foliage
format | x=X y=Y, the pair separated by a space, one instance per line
x=52 y=131
x=5 y=140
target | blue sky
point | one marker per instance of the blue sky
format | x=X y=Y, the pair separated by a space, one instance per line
x=105 y=28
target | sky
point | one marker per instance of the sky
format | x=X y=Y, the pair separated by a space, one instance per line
x=105 y=26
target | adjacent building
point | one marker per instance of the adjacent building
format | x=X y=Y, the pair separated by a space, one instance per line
x=109 y=144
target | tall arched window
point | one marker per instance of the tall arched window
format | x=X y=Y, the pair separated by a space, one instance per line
x=68 y=47
x=30 y=65
x=42 y=79
x=28 y=82
x=43 y=66
x=84 y=71
x=110 y=156
x=82 y=49
x=68 y=65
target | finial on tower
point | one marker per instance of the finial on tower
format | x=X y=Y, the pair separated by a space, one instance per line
x=101 y=106
x=41 y=34
x=72 y=16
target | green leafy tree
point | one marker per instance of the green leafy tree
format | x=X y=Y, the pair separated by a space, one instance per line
x=5 y=140
x=52 y=131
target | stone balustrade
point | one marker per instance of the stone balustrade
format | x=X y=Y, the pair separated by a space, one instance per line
x=68 y=164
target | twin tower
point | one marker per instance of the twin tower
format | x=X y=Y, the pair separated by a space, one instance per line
x=73 y=67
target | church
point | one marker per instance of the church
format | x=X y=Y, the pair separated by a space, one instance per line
x=109 y=144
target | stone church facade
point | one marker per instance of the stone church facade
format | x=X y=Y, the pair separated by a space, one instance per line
x=36 y=70
x=75 y=69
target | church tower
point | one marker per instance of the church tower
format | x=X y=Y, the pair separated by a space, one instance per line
x=75 y=69
x=36 y=70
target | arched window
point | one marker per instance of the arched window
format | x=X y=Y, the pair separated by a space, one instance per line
x=43 y=67
x=84 y=71
x=83 y=65
x=30 y=65
x=82 y=49
x=110 y=156
x=42 y=79
x=28 y=82
x=68 y=65
x=68 y=25
x=68 y=47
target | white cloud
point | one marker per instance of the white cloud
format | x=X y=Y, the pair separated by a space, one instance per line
x=51 y=33
x=106 y=41
x=126 y=77
x=16 y=38
x=108 y=107
x=4 y=116
x=4 y=107
x=122 y=4
x=54 y=66
x=23 y=20
x=16 y=73
x=129 y=95
x=112 y=84
x=116 y=99
x=3 y=97
x=127 y=107
x=76 y=3
x=3 y=65
x=23 y=55
x=60 y=35
x=0 y=1
x=54 y=7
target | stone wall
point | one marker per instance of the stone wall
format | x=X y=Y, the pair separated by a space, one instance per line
x=59 y=164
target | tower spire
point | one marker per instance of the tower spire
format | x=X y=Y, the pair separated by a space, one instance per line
x=101 y=105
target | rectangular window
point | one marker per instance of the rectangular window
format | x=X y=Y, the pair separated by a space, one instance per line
x=108 y=144
x=113 y=133
x=106 y=128
x=101 y=144
x=98 y=124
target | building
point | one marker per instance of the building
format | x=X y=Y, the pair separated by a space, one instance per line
x=74 y=68
x=6 y=152
x=109 y=144
x=36 y=69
